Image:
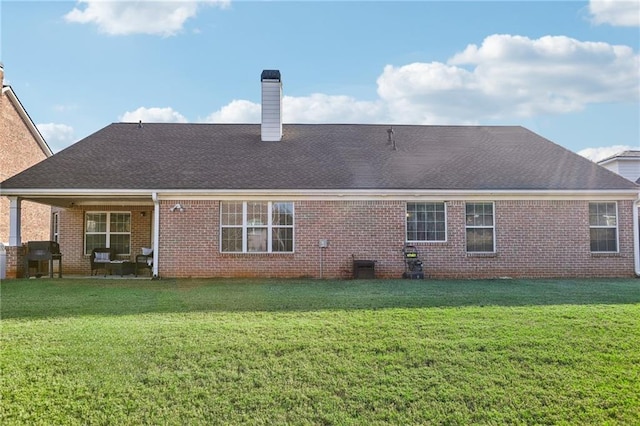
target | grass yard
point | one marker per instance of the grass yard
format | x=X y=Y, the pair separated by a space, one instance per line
x=92 y=352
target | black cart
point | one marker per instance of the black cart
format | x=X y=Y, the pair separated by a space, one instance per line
x=412 y=263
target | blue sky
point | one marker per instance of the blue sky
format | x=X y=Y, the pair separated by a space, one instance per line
x=569 y=71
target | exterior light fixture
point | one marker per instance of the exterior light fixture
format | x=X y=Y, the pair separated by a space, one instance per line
x=178 y=207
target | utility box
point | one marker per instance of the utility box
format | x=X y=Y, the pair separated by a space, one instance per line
x=364 y=269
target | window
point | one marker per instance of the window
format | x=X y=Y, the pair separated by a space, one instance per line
x=426 y=222
x=480 y=228
x=55 y=227
x=108 y=229
x=603 y=226
x=256 y=227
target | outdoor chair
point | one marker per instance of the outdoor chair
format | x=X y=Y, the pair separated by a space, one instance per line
x=100 y=257
x=145 y=260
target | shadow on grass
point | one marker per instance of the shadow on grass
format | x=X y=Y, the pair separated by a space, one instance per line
x=44 y=298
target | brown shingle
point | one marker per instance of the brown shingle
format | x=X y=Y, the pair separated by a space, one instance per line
x=316 y=156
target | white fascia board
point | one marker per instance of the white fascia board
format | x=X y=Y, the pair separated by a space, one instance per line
x=606 y=161
x=25 y=117
x=66 y=198
x=364 y=194
x=38 y=192
x=401 y=195
x=618 y=158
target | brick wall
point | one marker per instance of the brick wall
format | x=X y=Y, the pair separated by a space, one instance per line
x=369 y=229
x=15 y=262
x=18 y=151
x=533 y=239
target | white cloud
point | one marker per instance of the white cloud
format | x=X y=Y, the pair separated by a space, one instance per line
x=620 y=13
x=164 y=18
x=320 y=108
x=512 y=76
x=505 y=78
x=238 y=111
x=317 y=108
x=65 y=107
x=597 y=154
x=153 y=115
x=57 y=136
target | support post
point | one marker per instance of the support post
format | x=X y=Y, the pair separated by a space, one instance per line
x=15 y=237
x=156 y=234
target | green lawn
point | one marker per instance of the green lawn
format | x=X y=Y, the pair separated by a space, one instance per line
x=320 y=352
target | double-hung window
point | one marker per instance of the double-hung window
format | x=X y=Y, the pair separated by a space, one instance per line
x=426 y=222
x=256 y=227
x=480 y=228
x=108 y=229
x=603 y=227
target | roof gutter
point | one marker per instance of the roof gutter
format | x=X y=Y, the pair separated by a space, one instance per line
x=336 y=193
x=617 y=158
x=75 y=192
x=400 y=194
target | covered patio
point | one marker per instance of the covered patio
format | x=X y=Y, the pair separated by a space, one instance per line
x=83 y=220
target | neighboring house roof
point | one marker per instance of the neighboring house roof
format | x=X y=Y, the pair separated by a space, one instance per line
x=37 y=136
x=624 y=155
x=184 y=157
x=626 y=164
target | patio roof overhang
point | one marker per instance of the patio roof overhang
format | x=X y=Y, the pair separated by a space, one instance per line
x=72 y=198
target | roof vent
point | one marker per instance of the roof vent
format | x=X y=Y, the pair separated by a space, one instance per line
x=271 y=127
x=392 y=140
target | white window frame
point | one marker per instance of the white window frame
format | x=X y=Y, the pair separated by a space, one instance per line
x=492 y=227
x=55 y=226
x=269 y=227
x=406 y=223
x=616 y=227
x=107 y=232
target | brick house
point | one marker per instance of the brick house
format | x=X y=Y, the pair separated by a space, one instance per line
x=300 y=200
x=21 y=146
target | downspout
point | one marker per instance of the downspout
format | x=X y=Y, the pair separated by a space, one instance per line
x=636 y=236
x=156 y=233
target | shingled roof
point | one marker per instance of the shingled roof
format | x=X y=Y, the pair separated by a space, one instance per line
x=630 y=154
x=169 y=156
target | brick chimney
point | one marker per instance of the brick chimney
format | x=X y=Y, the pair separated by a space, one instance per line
x=271 y=127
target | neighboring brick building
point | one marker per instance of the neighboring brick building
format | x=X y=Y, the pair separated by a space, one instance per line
x=21 y=146
x=260 y=200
